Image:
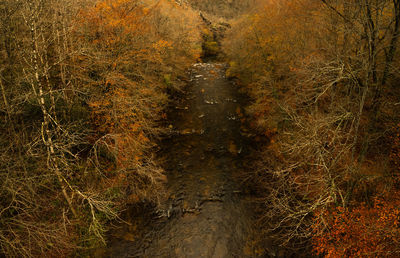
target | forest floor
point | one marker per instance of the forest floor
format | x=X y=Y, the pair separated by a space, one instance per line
x=206 y=214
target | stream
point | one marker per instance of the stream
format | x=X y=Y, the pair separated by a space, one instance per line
x=206 y=214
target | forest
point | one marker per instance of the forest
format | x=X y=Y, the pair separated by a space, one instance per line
x=99 y=98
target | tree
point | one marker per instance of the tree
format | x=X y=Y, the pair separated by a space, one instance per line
x=83 y=90
x=316 y=105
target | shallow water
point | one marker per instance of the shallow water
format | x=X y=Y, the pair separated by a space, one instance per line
x=205 y=215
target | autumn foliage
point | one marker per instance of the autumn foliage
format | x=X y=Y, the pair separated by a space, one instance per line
x=361 y=231
x=84 y=87
x=324 y=87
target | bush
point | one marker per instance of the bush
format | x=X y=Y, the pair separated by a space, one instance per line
x=317 y=102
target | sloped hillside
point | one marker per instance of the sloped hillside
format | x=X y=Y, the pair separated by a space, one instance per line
x=223 y=8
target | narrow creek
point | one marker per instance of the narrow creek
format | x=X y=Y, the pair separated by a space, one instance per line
x=205 y=215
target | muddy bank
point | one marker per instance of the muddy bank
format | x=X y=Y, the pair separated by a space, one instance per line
x=206 y=214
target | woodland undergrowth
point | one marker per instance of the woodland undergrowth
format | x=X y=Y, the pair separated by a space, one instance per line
x=323 y=80
x=84 y=86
